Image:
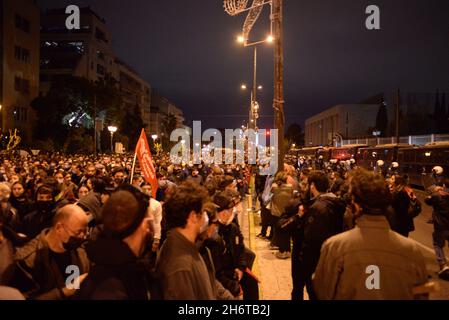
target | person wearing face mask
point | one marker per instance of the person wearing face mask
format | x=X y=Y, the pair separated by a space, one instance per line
x=229 y=251
x=119 y=272
x=42 y=217
x=119 y=177
x=20 y=201
x=41 y=265
x=211 y=238
x=180 y=269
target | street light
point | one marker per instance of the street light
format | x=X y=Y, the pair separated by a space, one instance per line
x=112 y=130
x=1 y=119
x=154 y=137
x=270 y=39
x=241 y=39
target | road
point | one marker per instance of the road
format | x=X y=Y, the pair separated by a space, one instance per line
x=275 y=274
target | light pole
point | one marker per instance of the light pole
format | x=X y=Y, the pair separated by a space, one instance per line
x=254 y=109
x=112 y=130
x=1 y=119
x=233 y=8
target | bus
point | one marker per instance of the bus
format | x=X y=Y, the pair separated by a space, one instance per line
x=417 y=162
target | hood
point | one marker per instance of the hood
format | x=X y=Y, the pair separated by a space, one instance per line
x=92 y=204
x=110 y=252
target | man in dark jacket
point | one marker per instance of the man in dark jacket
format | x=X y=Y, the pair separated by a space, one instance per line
x=180 y=269
x=118 y=274
x=439 y=200
x=42 y=217
x=44 y=264
x=320 y=221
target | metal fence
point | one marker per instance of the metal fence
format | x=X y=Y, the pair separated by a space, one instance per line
x=411 y=140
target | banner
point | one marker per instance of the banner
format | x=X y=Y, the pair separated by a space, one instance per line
x=146 y=162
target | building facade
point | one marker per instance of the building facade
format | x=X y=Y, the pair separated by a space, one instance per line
x=19 y=67
x=88 y=53
x=135 y=92
x=161 y=107
x=345 y=121
x=85 y=53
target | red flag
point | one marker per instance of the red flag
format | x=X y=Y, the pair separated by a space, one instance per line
x=146 y=162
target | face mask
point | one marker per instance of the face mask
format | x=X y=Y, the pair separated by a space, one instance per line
x=203 y=228
x=73 y=243
x=215 y=236
x=229 y=221
x=44 y=206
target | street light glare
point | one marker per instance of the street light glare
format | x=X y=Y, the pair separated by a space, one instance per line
x=240 y=39
x=270 y=39
x=260 y=87
x=244 y=87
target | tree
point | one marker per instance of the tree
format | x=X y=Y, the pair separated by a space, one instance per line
x=382 y=119
x=295 y=134
x=73 y=103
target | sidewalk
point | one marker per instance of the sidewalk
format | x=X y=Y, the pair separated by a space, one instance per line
x=275 y=274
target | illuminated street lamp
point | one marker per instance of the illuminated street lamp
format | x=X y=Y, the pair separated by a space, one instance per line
x=154 y=137
x=112 y=130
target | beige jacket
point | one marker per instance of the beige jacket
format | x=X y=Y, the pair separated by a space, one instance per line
x=281 y=197
x=344 y=273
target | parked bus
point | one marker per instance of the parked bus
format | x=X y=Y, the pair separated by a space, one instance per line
x=418 y=162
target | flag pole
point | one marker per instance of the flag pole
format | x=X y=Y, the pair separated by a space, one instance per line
x=134 y=166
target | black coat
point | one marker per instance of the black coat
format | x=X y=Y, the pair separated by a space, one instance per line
x=322 y=220
x=116 y=274
x=440 y=202
x=401 y=221
x=228 y=254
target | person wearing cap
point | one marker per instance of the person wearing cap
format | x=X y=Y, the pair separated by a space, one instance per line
x=117 y=272
x=181 y=271
x=211 y=239
x=229 y=254
x=42 y=264
x=349 y=262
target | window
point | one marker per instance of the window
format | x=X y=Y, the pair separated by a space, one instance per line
x=100 y=55
x=22 y=23
x=100 y=35
x=100 y=70
x=21 y=85
x=21 y=54
x=20 y=114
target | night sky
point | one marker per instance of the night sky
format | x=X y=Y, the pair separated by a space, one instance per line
x=186 y=49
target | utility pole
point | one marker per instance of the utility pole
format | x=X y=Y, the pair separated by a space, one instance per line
x=398 y=106
x=278 y=103
x=95 y=125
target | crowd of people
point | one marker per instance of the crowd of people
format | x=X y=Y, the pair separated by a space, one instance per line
x=91 y=228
